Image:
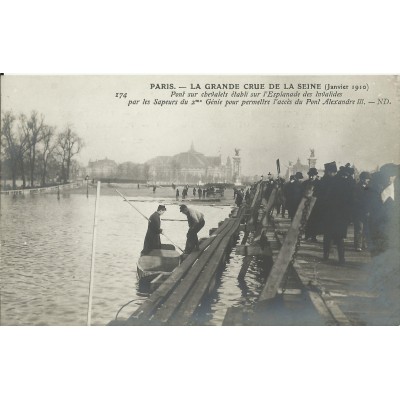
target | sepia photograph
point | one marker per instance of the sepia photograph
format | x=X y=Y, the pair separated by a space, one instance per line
x=200 y=200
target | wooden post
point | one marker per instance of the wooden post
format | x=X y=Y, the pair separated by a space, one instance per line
x=93 y=254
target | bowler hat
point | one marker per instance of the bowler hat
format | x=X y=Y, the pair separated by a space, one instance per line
x=312 y=172
x=365 y=175
x=161 y=207
x=183 y=207
x=299 y=175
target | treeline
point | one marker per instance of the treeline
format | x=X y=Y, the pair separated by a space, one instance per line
x=33 y=151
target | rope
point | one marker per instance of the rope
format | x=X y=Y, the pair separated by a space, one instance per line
x=146 y=218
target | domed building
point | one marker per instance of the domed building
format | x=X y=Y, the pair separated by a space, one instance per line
x=190 y=167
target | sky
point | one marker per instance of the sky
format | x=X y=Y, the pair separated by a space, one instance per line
x=365 y=135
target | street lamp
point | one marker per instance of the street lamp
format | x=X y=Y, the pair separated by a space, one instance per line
x=87 y=186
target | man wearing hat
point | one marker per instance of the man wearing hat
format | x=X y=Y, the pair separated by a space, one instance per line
x=311 y=229
x=338 y=212
x=360 y=214
x=196 y=222
x=152 y=239
x=294 y=195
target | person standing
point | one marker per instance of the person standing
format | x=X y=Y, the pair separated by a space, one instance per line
x=152 y=239
x=177 y=194
x=360 y=212
x=294 y=195
x=194 y=192
x=239 y=198
x=196 y=222
x=311 y=229
x=338 y=213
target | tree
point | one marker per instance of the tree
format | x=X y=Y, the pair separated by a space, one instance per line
x=48 y=148
x=9 y=141
x=33 y=130
x=68 y=145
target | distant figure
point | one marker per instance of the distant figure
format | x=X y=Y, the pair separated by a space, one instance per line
x=196 y=222
x=200 y=193
x=362 y=196
x=247 y=196
x=138 y=186
x=154 y=188
x=239 y=198
x=194 y=191
x=312 y=226
x=152 y=239
x=177 y=194
x=294 y=194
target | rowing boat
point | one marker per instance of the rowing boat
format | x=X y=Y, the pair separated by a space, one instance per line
x=157 y=263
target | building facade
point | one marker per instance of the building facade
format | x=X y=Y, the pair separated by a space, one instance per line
x=101 y=169
x=190 y=167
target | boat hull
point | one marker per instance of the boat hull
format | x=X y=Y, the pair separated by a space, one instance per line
x=156 y=262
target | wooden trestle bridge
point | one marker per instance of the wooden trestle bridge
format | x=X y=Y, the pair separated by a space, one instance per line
x=300 y=288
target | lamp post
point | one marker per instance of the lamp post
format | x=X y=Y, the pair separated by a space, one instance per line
x=87 y=186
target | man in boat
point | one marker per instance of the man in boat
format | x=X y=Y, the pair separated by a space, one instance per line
x=152 y=239
x=196 y=222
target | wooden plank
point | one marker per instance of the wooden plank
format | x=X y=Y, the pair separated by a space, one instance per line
x=157 y=297
x=253 y=250
x=167 y=309
x=194 y=298
x=285 y=254
x=233 y=317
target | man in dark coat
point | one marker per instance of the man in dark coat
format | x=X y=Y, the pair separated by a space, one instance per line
x=152 y=239
x=360 y=212
x=239 y=198
x=338 y=211
x=312 y=226
x=294 y=195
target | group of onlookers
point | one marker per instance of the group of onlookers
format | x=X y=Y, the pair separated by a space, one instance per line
x=370 y=202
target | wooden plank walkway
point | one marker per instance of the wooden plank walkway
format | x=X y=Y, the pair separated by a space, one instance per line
x=300 y=288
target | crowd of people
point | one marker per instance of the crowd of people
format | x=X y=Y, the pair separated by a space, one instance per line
x=370 y=202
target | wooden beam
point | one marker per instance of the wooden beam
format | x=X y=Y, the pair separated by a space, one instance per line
x=285 y=255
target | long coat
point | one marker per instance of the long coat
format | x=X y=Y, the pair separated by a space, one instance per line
x=152 y=239
x=313 y=227
x=338 y=206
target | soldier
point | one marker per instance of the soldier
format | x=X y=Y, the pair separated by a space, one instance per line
x=196 y=222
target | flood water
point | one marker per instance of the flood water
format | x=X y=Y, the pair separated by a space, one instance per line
x=46 y=248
